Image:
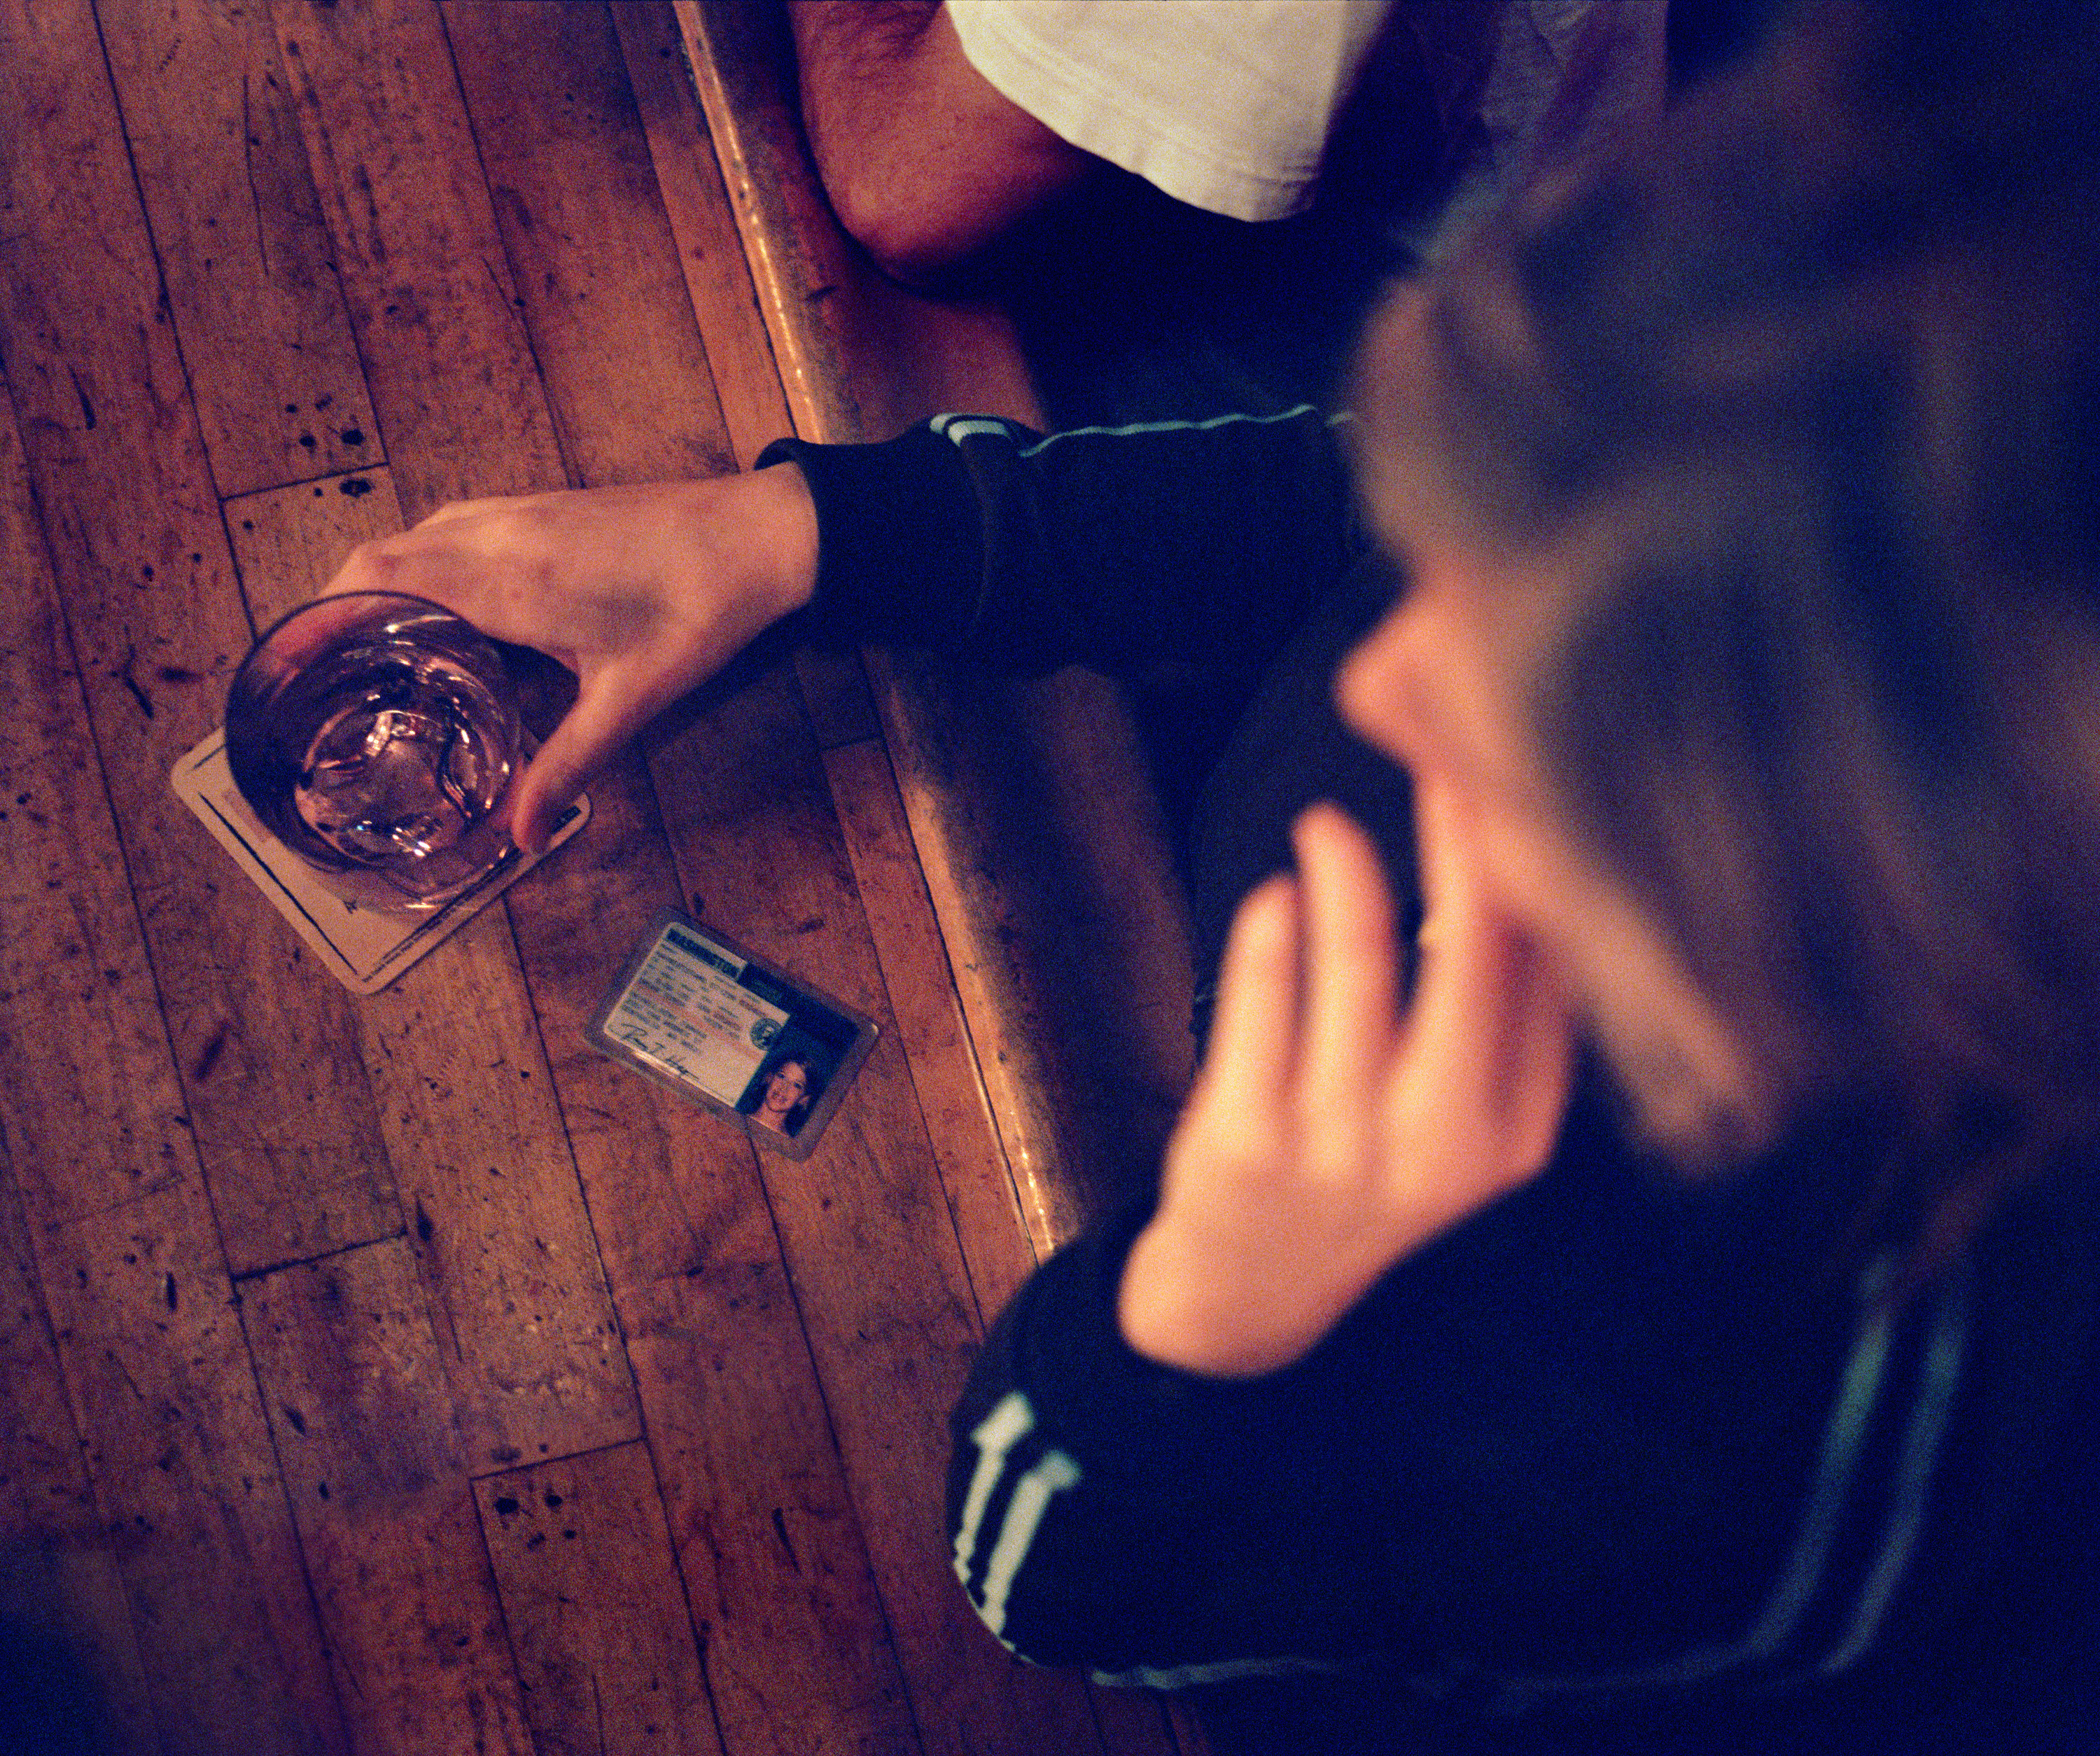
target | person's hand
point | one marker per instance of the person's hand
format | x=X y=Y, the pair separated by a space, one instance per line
x=1327 y=1134
x=642 y=592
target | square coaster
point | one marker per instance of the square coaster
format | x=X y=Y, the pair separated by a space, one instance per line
x=361 y=927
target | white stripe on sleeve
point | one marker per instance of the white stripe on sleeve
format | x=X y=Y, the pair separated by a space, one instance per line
x=996 y=1435
x=1032 y=1495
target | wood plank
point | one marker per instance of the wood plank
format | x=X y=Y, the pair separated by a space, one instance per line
x=595 y=1608
x=272 y=364
x=566 y=160
x=148 y=1332
x=60 y=1592
x=287 y=1133
x=88 y=1110
x=798 y=1648
x=356 y=1394
x=437 y=314
x=864 y=1221
x=798 y=1651
x=88 y=1097
x=710 y=248
x=800 y=1654
x=485 y=1176
x=982 y=1201
x=454 y=1056
x=726 y=302
x=531 y=1342
x=1046 y=858
x=861 y=359
x=287 y=547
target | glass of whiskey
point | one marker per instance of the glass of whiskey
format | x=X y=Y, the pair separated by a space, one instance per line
x=378 y=732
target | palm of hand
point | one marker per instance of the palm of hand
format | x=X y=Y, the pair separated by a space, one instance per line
x=1329 y=1135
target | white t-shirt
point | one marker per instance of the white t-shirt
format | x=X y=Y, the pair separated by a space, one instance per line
x=1225 y=104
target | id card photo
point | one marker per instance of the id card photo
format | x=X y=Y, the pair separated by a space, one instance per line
x=695 y=1012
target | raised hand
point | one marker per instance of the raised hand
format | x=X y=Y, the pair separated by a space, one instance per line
x=1328 y=1135
x=642 y=592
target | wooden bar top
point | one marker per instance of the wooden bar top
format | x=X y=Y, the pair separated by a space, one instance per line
x=1029 y=805
x=397 y=1374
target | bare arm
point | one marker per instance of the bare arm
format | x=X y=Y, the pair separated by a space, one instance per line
x=924 y=160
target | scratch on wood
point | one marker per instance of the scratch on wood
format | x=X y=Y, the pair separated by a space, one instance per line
x=214 y=1047
x=80 y=390
x=247 y=165
x=131 y=682
x=125 y=1372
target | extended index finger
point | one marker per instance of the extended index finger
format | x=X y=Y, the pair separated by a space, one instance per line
x=1253 y=1032
x=1352 y=1001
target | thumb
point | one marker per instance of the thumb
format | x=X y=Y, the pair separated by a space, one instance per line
x=602 y=719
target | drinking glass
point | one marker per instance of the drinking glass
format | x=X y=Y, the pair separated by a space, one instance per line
x=379 y=732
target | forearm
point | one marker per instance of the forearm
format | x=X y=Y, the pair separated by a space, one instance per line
x=1112 y=1514
x=1198 y=544
x=924 y=160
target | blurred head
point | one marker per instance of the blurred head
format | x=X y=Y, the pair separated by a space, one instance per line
x=1749 y=493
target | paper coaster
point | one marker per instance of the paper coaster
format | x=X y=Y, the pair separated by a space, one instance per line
x=360 y=926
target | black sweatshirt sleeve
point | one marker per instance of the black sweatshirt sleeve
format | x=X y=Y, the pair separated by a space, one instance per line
x=1198 y=542
x=1589 y=1447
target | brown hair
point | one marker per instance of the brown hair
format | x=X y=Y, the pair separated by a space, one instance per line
x=1818 y=361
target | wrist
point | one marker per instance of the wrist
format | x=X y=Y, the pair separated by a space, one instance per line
x=1175 y=1306
x=778 y=518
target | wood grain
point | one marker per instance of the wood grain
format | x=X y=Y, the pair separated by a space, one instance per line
x=436 y=1226
x=718 y=281
x=60 y=1591
x=1086 y=1054
x=148 y=1330
x=864 y=1221
x=265 y=1051
x=246 y=261
x=88 y=1097
x=960 y=1125
x=1017 y=852
x=287 y=547
x=566 y=160
x=356 y=1392
x=436 y=312
x=605 y=1654
x=798 y=1652
x=797 y=1640
x=486 y=1183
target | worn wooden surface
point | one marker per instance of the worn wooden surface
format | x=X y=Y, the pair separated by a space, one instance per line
x=398 y=1374
x=1032 y=817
